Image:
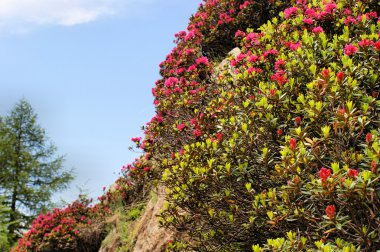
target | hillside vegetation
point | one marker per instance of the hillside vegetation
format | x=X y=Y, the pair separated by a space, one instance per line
x=273 y=147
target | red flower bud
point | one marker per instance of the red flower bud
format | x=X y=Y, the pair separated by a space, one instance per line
x=297 y=120
x=368 y=138
x=340 y=76
x=181 y=126
x=374 y=167
x=219 y=136
x=324 y=173
x=330 y=211
x=325 y=73
x=352 y=173
x=197 y=133
x=292 y=143
x=279 y=132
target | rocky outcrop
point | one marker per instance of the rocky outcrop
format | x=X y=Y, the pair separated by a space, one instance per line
x=141 y=235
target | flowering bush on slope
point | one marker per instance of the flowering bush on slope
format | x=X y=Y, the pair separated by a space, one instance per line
x=186 y=84
x=78 y=227
x=282 y=153
x=278 y=152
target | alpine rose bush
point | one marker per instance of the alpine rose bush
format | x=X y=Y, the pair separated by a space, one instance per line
x=78 y=227
x=272 y=147
x=298 y=108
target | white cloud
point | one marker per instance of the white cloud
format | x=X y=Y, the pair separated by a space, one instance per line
x=23 y=15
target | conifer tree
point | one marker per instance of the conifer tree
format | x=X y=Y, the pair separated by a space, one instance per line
x=30 y=170
x=4 y=222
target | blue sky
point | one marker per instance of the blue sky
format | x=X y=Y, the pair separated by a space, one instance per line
x=87 y=68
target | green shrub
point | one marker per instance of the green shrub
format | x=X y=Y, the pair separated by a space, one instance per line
x=282 y=151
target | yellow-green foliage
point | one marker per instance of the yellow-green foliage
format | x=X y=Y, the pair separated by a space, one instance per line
x=282 y=152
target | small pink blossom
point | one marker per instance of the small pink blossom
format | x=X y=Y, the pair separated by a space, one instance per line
x=308 y=21
x=293 y=46
x=290 y=11
x=136 y=139
x=239 y=34
x=279 y=64
x=244 y=5
x=318 y=30
x=350 y=49
x=171 y=81
x=365 y=43
x=202 y=60
x=350 y=20
x=324 y=173
x=377 y=45
x=197 y=133
x=181 y=126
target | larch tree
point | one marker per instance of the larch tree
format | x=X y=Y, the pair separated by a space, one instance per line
x=30 y=169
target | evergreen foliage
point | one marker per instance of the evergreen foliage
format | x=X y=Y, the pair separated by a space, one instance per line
x=4 y=222
x=30 y=169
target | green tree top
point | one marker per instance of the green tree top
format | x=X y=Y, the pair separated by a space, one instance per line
x=30 y=169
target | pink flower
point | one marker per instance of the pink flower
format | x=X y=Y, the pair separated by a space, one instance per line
x=272 y=92
x=290 y=11
x=308 y=21
x=377 y=45
x=171 y=81
x=253 y=58
x=294 y=46
x=350 y=49
x=244 y=5
x=239 y=34
x=310 y=13
x=324 y=173
x=330 y=7
x=352 y=173
x=136 y=139
x=202 y=60
x=318 y=29
x=278 y=65
x=349 y=20
x=181 y=126
x=347 y=11
x=365 y=43
x=325 y=73
x=330 y=211
x=146 y=169
x=197 y=133
x=240 y=57
x=279 y=78
x=252 y=38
